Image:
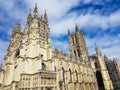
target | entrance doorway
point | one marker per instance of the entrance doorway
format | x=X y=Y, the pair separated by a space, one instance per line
x=100 y=81
x=49 y=88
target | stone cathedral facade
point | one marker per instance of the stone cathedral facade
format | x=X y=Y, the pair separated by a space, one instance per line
x=31 y=64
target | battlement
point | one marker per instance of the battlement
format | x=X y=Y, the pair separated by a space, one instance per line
x=67 y=57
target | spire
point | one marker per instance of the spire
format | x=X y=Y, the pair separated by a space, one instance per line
x=45 y=14
x=29 y=17
x=45 y=17
x=96 y=48
x=98 y=52
x=76 y=28
x=81 y=32
x=35 y=11
x=68 y=31
x=19 y=26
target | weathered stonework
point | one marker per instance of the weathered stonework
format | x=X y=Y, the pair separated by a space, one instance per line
x=99 y=66
x=31 y=64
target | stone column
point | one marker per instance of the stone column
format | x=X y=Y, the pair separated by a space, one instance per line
x=62 y=72
x=54 y=88
x=1 y=74
x=39 y=82
x=92 y=87
x=38 y=48
x=89 y=88
x=25 y=65
x=79 y=86
x=52 y=65
x=44 y=88
x=39 y=62
x=84 y=86
x=74 y=85
x=13 y=86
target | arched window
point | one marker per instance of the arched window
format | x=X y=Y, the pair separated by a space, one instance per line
x=96 y=65
x=70 y=74
x=55 y=68
x=17 y=53
x=78 y=52
x=73 y=40
x=16 y=87
x=41 y=56
x=62 y=73
x=75 y=53
x=43 y=66
x=76 y=75
x=100 y=80
x=49 y=89
x=76 y=39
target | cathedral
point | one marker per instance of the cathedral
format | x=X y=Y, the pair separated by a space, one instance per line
x=31 y=63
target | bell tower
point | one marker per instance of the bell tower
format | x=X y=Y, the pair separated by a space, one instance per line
x=77 y=44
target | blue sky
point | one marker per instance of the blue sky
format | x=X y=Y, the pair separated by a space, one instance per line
x=99 y=20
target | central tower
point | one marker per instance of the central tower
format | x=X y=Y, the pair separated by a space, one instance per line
x=36 y=39
x=29 y=51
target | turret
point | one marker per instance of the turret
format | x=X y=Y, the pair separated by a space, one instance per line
x=77 y=33
x=35 y=12
x=68 y=32
x=19 y=26
x=16 y=29
x=76 y=28
x=98 y=52
x=29 y=18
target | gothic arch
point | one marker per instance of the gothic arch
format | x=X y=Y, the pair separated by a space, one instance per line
x=100 y=80
x=76 y=75
x=96 y=65
x=70 y=74
x=43 y=66
x=55 y=68
x=17 y=53
x=49 y=89
x=73 y=40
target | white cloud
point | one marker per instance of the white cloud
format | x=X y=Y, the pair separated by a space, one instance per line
x=12 y=12
x=59 y=22
x=110 y=46
x=10 y=7
x=55 y=8
x=87 y=1
x=58 y=19
x=61 y=45
x=88 y=20
x=112 y=51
